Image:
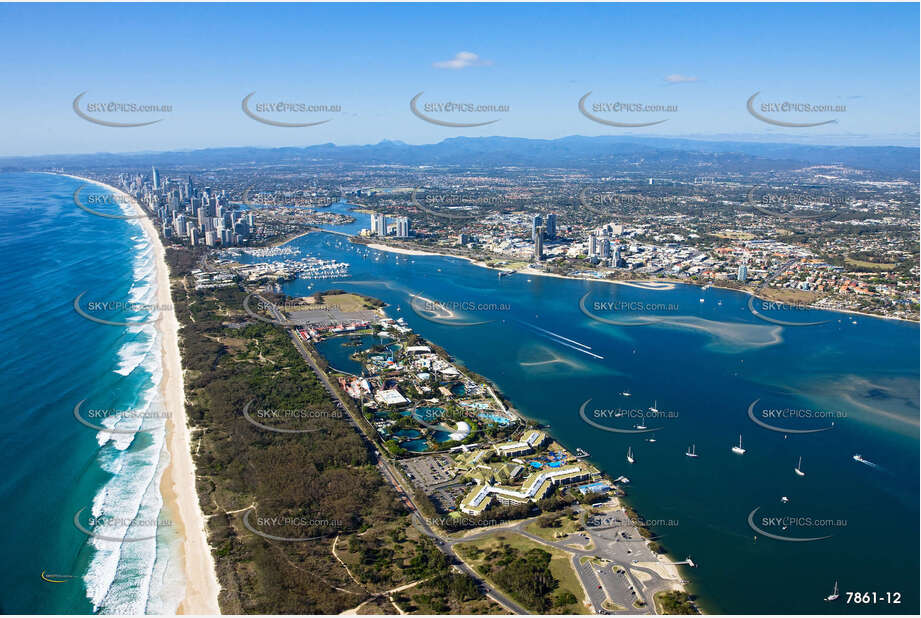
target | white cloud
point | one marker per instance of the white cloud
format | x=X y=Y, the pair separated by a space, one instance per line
x=462 y=60
x=676 y=78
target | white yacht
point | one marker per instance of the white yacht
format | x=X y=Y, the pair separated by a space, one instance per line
x=834 y=595
x=629 y=454
x=798 y=468
x=692 y=452
x=738 y=450
x=653 y=407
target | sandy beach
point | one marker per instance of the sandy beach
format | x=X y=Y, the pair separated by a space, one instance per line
x=177 y=486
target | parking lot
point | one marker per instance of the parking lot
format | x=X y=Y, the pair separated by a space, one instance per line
x=429 y=470
x=448 y=498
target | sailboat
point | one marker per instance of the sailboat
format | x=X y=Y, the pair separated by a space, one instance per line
x=651 y=438
x=738 y=450
x=626 y=393
x=692 y=452
x=834 y=595
x=653 y=408
x=641 y=425
x=797 y=469
x=629 y=454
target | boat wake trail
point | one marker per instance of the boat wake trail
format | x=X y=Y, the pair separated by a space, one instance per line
x=560 y=339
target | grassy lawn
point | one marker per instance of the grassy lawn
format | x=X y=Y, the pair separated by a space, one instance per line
x=567 y=526
x=735 y=235
x=786 y=295
x=869 y=265
x=345 y=302
x=560 y=566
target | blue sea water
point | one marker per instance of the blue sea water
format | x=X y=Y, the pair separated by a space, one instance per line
x=702 y=364
x=51 y=359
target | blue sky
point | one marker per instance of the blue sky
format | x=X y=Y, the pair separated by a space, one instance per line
x=539 y=60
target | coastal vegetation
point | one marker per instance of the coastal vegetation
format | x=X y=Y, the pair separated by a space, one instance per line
x=539 y=577
x=675 y=602
x=320 y=484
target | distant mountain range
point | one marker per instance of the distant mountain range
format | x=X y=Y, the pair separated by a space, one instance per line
x=577 y=152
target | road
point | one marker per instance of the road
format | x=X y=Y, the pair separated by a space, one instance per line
x=392 y=474
x=617 y=542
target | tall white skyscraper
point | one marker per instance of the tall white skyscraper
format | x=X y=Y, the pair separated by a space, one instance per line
x=592 y=245
x=378 y=224
x=156 y=178
x=402 y=227
x=742 y=275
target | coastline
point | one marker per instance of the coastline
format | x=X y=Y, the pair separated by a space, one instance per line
x=177 y=486
x=286 y=240
x=664 y=564
x=539 y=273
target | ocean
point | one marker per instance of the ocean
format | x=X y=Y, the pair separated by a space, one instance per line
x=82 y=505
x=703 y=360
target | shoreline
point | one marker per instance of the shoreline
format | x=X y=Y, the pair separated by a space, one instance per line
x=538 y=273
x=664 y=564
x=177 y=485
